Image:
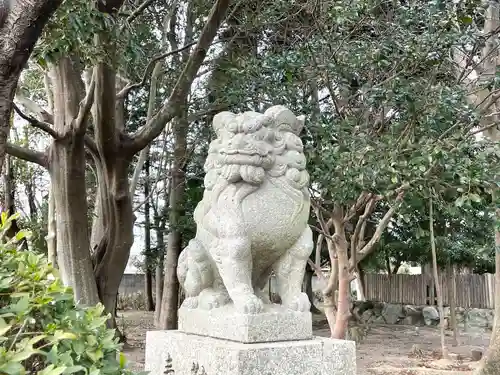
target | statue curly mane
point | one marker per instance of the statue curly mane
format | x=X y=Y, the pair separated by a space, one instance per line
x=251 y=147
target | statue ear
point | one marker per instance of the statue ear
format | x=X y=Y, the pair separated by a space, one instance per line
x=283 y=118
x=221 y=120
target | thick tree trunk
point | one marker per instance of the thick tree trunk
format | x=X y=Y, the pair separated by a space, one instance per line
x=113 y=251
x=342 y=319
x=21 y=24
x=168 y=315
x=331 y=292
x=113 y=231
x=67 y=170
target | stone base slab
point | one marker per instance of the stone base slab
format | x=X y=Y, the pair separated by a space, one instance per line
x=210 y=356
x=275 y=323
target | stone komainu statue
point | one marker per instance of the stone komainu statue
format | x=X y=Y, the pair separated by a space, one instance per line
x=253 y=218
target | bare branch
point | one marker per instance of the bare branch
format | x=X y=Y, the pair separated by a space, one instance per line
x=42 y=125
x=90 y=144
x=317 y=270
x=360 y=202
x=484 y=128
x=321 y=232
x=149 y=68
x=181 y=89
x=139 y=10
x=355 y=239
x=382 y=225
x=85 y=106
x=26 y=154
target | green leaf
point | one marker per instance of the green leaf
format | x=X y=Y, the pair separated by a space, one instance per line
x=73 y=369
x=12 y=368
x=52 y=370
x=475 y=198
x=122 y=360
x=21 y=356
x=460 y=201
x=467 y=20
x=36 y=339
x=21 y=305
x=94 y=355
x=5 y=329
x=20 y=235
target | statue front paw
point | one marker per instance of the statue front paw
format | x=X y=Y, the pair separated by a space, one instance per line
x=190 y=303
x=211 y=299
x=299 y=303
x=249 y=304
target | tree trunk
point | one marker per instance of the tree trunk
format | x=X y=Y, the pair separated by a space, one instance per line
x=360 y=285
x=21 y=24
x=168 y=315
x=342 y=319
x=148 y=256
x=113 y=251
x=160 y=249
x=30 y=194
x=114 y=228
x=67 y=170
x=51 y=229
x=308 y=276
x=436 y=281
x=450 y=272
x=331 y=292
x=10 y=199
x=490 y=364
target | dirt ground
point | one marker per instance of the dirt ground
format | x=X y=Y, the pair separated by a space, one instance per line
x=394 y=350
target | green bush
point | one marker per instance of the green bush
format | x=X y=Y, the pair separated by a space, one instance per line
x=42 y=330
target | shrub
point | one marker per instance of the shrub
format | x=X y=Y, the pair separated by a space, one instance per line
x=42 y=330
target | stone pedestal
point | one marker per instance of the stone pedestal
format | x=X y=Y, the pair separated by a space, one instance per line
x=225 y=342
x=275 y=323
x=210 y=356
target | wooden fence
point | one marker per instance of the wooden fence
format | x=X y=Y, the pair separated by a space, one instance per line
x=471 y=290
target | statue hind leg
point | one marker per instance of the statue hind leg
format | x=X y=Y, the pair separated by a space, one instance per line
x=290 y=269
x=195 y=272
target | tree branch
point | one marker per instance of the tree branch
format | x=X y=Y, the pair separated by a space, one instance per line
x=484 y=128
x=85 y=106
x=358 y=235
x=122 y=94
x=139 y=10
x=34 y=107
x=42 y=125
x=360 y=202
x=26 y=154
x=181 y=89
x=382 y=225
x=90 y=144
x=318 y=271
